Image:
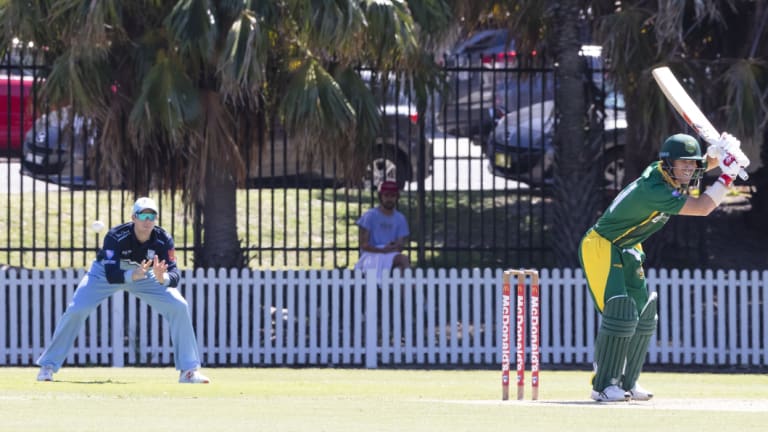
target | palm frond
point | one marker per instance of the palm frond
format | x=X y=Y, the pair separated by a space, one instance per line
x=242 y=65
x=230 y=8
x=668 y=23
x=628 y=42
x=192 y=26
x=654 y=109
x=390 y=33
x=433 y=19
x=167 y=99
x=88 y=23
x=316 y=111
x=267 y=10
x=530 y=20
x=746 y=107
x=362 y=101
x=81 y=82
x=18 y=20
x=211 y=147
x=314 y=101
x=333 y=22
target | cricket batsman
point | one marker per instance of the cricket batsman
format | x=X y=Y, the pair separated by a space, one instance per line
x=611 y=254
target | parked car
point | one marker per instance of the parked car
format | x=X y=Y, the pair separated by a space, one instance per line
x=394 y=156
x=486 y=82
x=16 y=117
x=18 y=66
x=471 y=109
x=56 y=150
x=482 y=48
x=395 y=153
x=521 y=145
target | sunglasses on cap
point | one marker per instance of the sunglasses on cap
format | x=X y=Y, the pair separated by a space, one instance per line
x=146 y=216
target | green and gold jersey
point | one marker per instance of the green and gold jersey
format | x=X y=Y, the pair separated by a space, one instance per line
x=640 y=209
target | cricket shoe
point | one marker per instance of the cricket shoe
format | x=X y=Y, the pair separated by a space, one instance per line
x=45 y=374
x=612 y=393
x=638 y=393
x=193 y=376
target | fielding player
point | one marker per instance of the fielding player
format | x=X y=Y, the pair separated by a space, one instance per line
x=612 y=256
x=137 y=257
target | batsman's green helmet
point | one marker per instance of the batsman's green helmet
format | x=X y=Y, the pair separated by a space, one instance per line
x=681 y=146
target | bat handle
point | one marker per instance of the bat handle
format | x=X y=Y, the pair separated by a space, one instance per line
x=743 y=174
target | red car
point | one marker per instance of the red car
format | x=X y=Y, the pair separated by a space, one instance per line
x=16 y=111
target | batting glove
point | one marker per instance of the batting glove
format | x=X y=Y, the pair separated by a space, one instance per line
x=728 y=143
x=730 y=167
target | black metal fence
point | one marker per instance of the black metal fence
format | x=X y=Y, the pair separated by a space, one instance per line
x=483 y=200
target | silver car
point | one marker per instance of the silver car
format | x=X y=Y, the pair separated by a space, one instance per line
x=521 y=145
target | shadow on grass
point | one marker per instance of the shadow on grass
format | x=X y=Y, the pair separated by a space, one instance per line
x=106 y=381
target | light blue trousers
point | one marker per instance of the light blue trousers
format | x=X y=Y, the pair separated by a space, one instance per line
x=94 y=288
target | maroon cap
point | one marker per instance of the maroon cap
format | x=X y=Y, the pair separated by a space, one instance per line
x=388 y=186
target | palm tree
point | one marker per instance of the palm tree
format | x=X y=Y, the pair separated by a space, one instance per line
x=577 y=150
x=182 y=89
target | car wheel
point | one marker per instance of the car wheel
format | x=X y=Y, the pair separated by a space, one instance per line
x=613 y=169
x=388 y=167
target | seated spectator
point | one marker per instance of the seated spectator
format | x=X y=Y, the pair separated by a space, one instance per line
x=383 y=234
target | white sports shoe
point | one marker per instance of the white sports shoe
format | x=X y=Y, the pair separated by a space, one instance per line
x=45 y=374
x=612 y=393
x=193 y=376
x=638 y=393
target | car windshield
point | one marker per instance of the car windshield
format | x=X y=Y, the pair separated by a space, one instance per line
x=482 y=41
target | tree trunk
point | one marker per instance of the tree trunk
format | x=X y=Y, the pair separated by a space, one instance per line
x=221 y=247
x=577 y=193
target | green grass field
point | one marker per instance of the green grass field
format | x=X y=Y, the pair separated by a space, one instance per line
x=149 y=399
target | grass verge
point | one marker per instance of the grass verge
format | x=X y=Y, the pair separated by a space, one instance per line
x=284 y=228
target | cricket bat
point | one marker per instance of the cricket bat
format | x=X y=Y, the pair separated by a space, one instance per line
x=687 y=108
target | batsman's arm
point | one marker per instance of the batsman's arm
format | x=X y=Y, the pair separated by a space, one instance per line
x=702 y=205
x=712 y=197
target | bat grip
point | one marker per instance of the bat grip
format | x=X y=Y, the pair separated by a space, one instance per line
x=743 y=174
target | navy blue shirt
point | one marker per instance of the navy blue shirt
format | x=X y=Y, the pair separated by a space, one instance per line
x=122 y=247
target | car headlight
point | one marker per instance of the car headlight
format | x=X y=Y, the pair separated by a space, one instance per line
x=501 y=160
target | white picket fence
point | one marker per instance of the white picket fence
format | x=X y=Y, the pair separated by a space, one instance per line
x=340 y=317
